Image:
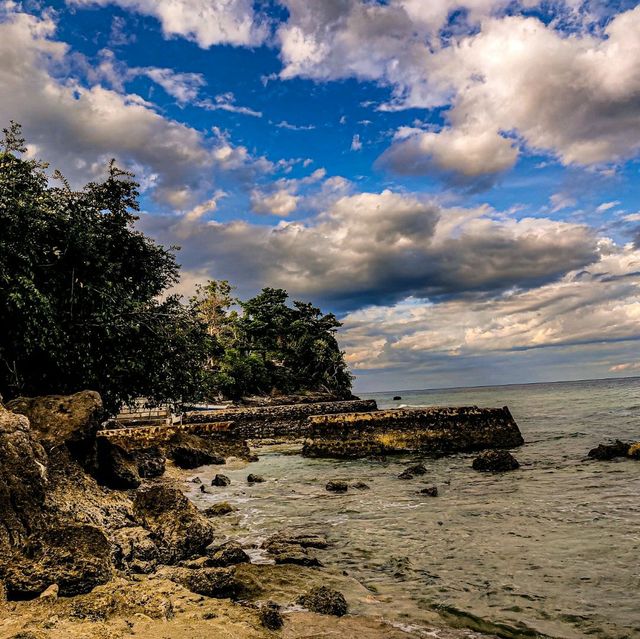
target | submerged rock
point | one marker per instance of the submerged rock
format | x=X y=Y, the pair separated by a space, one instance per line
x=177 y=526
x=325 y=601
x=605 y=452
x=293 y=549
x=219 y=509
x=411 y=471
x=430 y=491
x=270 y=616
x=495 y=461
x=337 y=486
x=255 y=479
x=360 y=485
x=220 y=480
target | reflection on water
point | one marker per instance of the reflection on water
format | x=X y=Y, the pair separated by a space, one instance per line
x=551 y=549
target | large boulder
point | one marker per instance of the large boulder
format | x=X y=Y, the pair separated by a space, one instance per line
x=325 y=601
x=62 y=419
x=210 y=582
x=229 y=554
x=75 y=557
x=178 y=528
x=116 y=467
x=190 y=451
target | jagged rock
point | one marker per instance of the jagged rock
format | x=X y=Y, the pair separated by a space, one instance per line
x=255 y=479
x=495 y=461
x=220 y=480
x=360 y=485
x=210 y=582
x=135 y=550
x=23 y=481
x=337 y=486
x=61 y=419
x=151 y=462
x=116 y=468
x=176 y=525
x=229 y=554
x=219 y=509
x=76 y=557
x=325 y=601
x=430 y=491
x=270 y=616
x=191 y=451
x=606 y=452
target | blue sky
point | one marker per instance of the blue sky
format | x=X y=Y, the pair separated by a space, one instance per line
x=457 y=180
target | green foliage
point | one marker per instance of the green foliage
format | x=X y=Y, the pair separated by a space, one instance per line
x=82 y=305
x=80 y=292
x=271 y=345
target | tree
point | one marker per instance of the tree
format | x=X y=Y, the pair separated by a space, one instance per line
x=81 y=292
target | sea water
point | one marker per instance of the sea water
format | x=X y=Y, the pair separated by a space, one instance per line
x=552 y=549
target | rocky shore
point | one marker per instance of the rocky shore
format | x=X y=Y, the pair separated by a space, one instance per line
x=98 y=540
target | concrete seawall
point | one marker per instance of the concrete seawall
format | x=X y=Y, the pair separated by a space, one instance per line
x=430 y=431
x=266 y=422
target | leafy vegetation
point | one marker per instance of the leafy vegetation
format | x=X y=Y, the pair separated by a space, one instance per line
x=85 y=305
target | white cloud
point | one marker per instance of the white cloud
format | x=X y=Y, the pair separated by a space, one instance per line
x=356 y=143
x=606 y=206
x=184 y=87
x=206 y=22
x=81 y=127
x=509 y=82
x=226 y=102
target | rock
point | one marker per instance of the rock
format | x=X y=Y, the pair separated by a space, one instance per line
x=196 y=480
x=219 y=509
x=298 y=558
x=51 y=592
x=324 y=601
x=116 y=468
x=303 y=541
x=210 y=582
x=135 y=550
x=255 y=479
x=605 y=452
x=418 y=469
x=61 y=419
x=179 y=529
x=270 y=616
x=151 y=462
x=23 y=483
x=396 y=398
x=405 y=474
x=220 y=480
x=495 y=461
x=360 y=485
x=293 y=549
x=229 y=554
x=634 y=451
x=191 y=451
x=337 y=486
x=430 y=491
x=76 y=557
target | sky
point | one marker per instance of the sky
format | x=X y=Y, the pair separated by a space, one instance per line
x=456 y=180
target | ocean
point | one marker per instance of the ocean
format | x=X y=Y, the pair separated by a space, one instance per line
x=549 y=550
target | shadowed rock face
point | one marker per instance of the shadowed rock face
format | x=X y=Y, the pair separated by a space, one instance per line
x=429 y=431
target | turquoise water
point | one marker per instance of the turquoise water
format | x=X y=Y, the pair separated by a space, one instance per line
x=552 y=549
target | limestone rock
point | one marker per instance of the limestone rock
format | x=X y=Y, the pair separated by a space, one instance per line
x=179 y=529
x=151 y=462
x=210 y=582
x=61 y=419
x=191 y=451
x=495 y=461
x=325 y=601
x=135 y=550
x=229 y=554
x=270 y=616
x=76 y=557
x=116 y=467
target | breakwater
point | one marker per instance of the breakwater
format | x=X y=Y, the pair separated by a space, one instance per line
x=431 y=431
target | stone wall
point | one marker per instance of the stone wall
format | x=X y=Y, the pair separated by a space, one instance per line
x=266 y=422
x=147 y=436
x=430 y=431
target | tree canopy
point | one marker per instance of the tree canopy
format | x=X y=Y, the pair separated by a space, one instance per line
x=85 y=304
